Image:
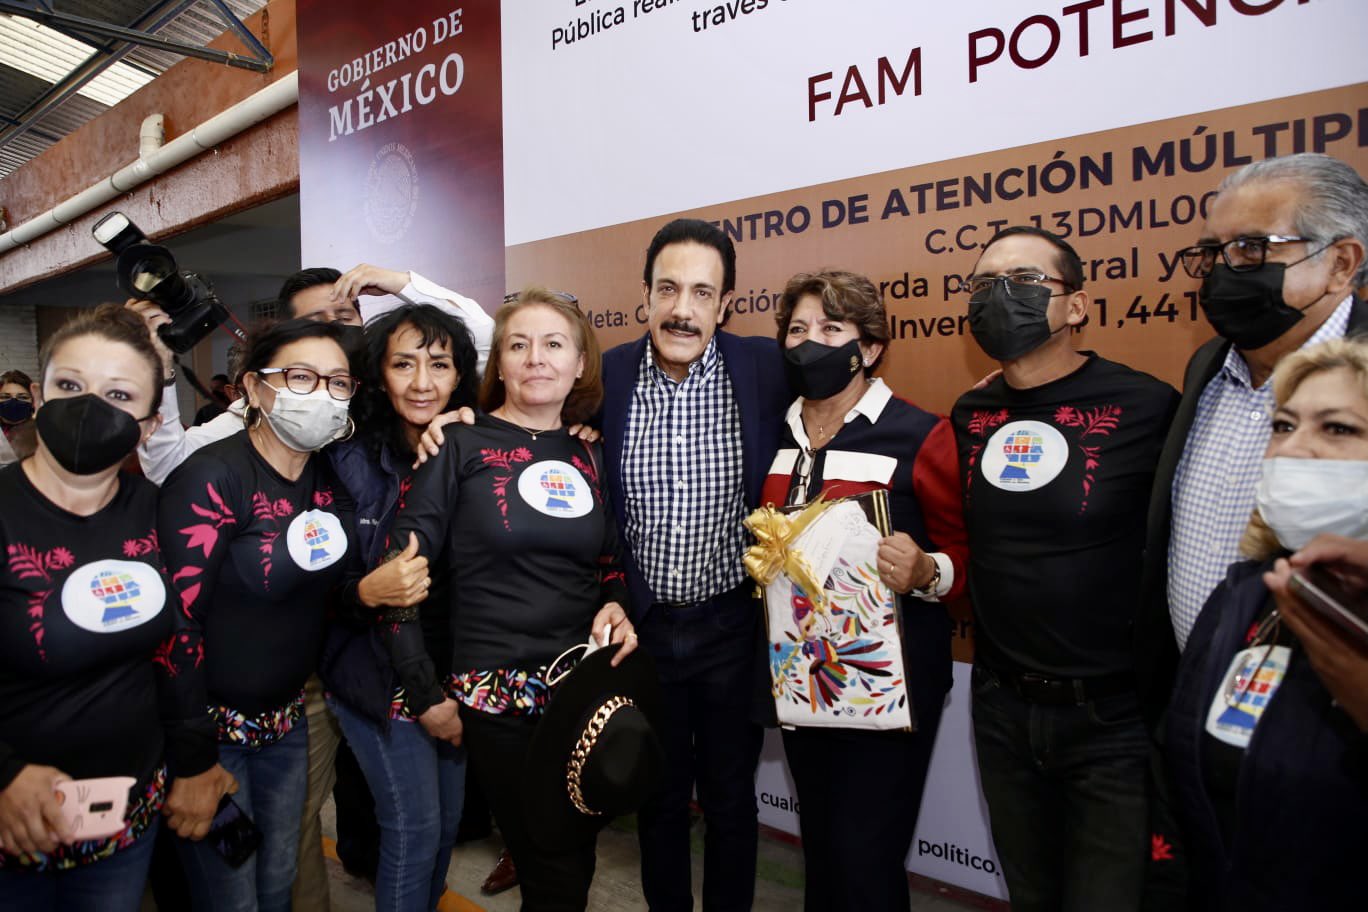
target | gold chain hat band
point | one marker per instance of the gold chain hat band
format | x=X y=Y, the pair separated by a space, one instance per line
x=580 y=755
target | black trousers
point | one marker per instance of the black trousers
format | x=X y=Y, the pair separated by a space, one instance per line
x=858 y=793
x=358 y=834
x=497 y=748
x=706 y=658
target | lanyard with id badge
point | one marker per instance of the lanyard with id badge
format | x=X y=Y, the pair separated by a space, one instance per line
x=1254 y=676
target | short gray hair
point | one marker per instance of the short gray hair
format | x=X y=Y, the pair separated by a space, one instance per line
x=1332 y=204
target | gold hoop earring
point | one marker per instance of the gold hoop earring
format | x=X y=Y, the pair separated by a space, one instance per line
x=351 y=429
x=251 y=416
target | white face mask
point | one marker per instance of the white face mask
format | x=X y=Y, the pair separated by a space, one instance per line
x=307 y=422
x=1301 y=498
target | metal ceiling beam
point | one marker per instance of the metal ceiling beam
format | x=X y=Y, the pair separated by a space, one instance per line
x=41 y=134
x=242 y=31
x=33 y=9
x=104 y=57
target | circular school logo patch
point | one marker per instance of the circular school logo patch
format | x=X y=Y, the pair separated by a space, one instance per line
x=1024 y=456
x=555 y=488
x=111 y=595
x=316 y=540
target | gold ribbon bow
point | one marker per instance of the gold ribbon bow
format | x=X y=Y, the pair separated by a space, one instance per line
x=775 y=532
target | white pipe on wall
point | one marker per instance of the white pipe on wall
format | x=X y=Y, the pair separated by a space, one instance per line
x=253 y=109
x=152 y=136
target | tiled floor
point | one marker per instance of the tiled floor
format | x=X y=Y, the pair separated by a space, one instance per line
x=779 y=884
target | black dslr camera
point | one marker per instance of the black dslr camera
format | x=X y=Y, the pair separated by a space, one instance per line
x=148 y=271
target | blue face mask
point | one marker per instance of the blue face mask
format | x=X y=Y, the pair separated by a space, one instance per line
x=14 y=411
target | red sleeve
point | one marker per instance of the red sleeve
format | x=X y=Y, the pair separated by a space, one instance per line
x=936 y=482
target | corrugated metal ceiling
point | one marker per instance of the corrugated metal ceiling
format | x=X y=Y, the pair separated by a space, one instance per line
x=199 y=25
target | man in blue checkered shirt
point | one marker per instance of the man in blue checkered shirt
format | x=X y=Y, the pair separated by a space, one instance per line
x=691 y=420
x=1280 y=257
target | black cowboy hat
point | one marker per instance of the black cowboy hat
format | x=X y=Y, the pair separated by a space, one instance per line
x=595 y=754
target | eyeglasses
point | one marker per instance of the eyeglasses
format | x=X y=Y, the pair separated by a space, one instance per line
x=1243 y=254
x=1018 y=284
x=802 y=470
x=564 y=296
x=1244 y=678
x=303 y=381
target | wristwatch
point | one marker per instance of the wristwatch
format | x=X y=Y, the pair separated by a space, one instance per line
x=930 y=587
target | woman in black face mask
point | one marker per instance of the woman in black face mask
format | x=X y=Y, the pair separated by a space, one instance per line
x=847 y=434
x=16 y=417
x=85 y=616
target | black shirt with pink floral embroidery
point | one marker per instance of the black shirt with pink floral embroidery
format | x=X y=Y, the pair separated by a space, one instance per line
x=87 y=625
x=519 y=525
x=257 y=560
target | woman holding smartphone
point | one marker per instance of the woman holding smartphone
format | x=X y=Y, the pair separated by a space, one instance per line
x=85 y=621
x=1269 y=765
x=257 y=534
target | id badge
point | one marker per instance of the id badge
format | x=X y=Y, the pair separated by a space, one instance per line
x=1253 y=677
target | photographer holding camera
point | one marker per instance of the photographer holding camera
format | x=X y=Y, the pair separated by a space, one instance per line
x=318 y=293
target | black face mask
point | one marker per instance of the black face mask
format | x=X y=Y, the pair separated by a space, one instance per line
x=14 y=411
x=817 y=371
x=85 y=434
x=1247 y=307
x=1007 y=328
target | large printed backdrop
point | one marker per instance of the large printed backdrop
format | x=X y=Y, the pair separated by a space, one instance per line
x=401 y=139
x=544 y=141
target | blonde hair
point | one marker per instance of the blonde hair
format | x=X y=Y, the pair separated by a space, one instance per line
x=1259 y=541
x=587 y=393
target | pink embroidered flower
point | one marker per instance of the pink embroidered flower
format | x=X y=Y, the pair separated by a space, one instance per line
x=982 y=422
x=504 y=460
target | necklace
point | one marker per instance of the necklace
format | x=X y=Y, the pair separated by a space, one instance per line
x=820 y=437
x=531 y=432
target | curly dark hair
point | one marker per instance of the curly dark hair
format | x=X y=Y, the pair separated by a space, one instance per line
x=375 y=416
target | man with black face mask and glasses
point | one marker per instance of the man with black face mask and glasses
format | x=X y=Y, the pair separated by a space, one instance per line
x=1057 y=455
x=1280 y=257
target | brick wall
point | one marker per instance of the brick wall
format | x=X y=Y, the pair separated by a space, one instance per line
x=19 y=339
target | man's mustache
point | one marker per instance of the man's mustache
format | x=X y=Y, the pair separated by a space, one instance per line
x=681 y=326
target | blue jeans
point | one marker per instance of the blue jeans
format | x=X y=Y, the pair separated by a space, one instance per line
x=419 y=788
x=272 y=784
x=113 y=884
x=1066 y=793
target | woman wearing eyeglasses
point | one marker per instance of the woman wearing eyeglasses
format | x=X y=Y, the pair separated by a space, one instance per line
x=16 y=417
x=1268 y=728
x=848 y=434
x=256 y=530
